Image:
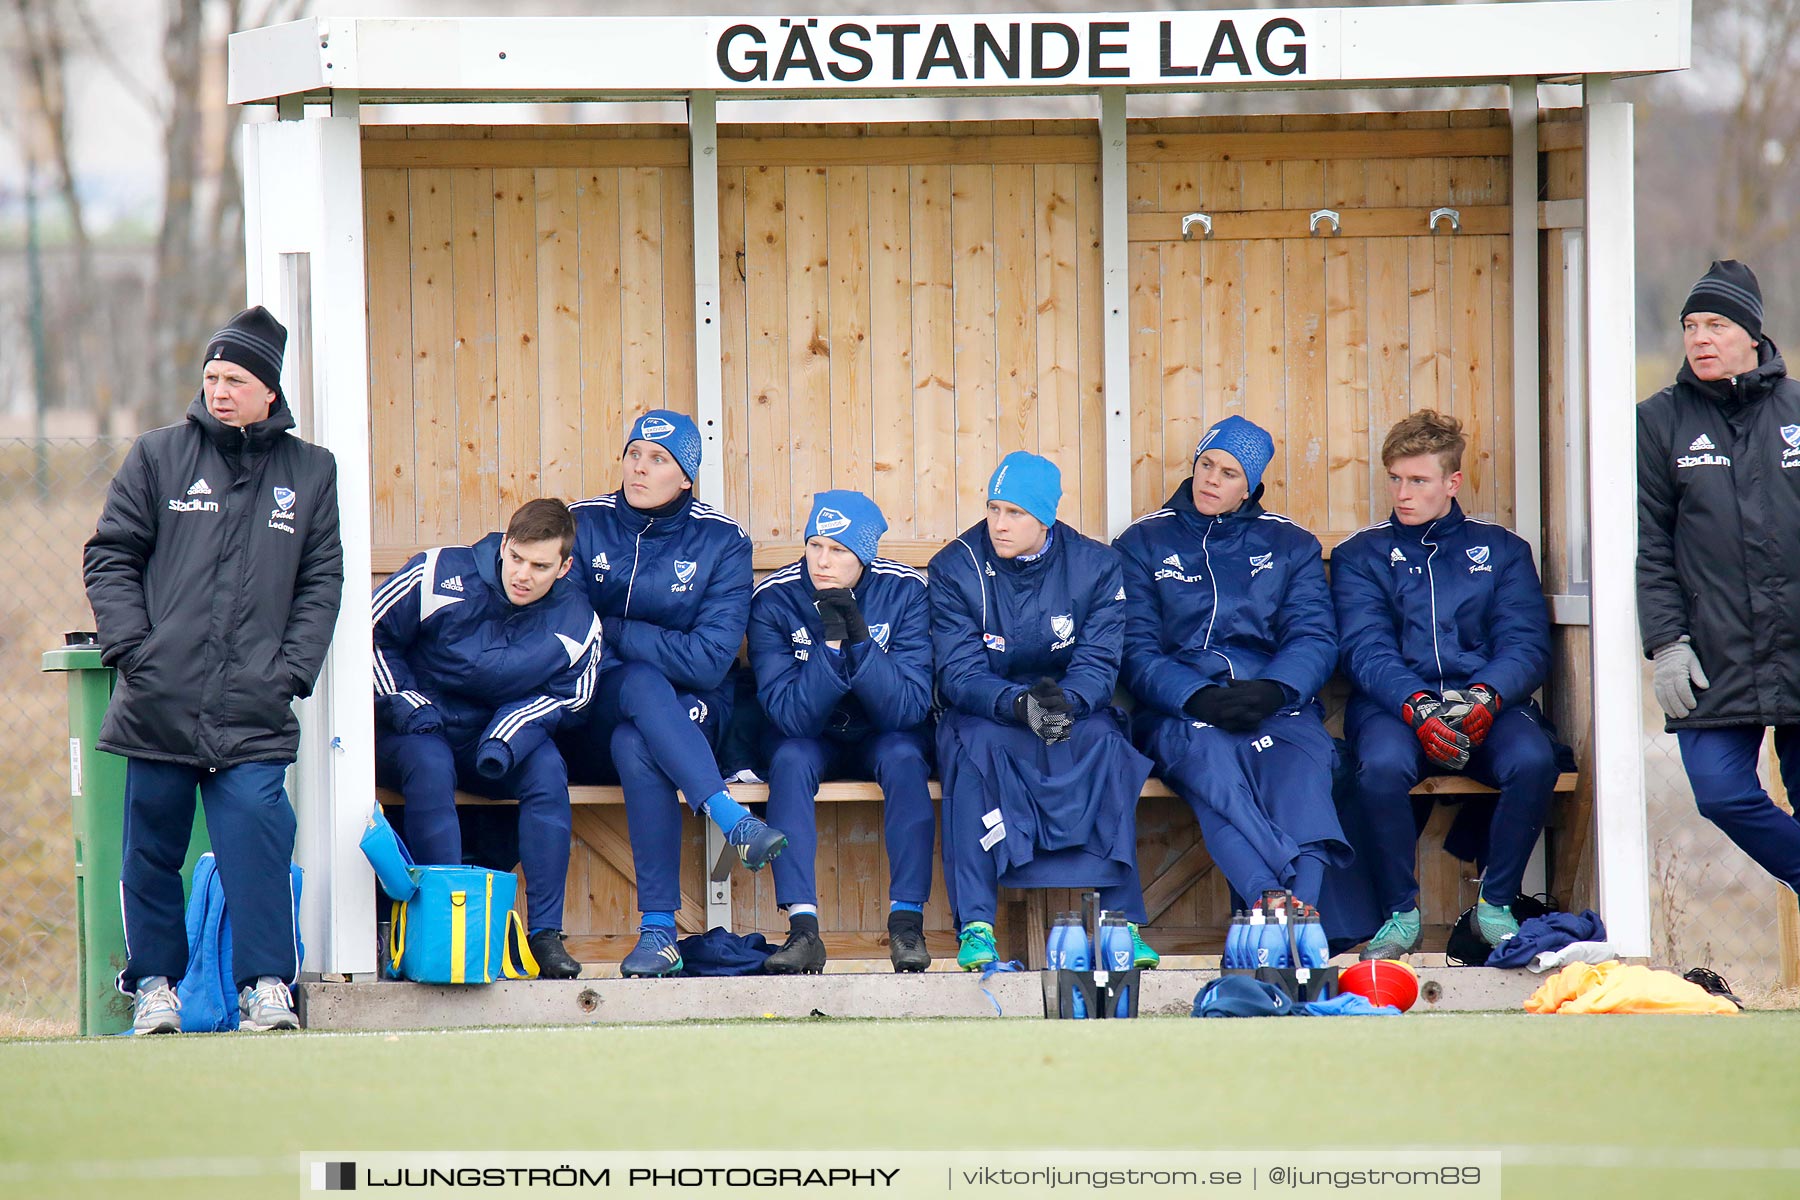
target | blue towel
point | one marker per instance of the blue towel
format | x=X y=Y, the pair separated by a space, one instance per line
x=208 y=992
x=1552 y=931
x=1345 y=1004
x=719 y=951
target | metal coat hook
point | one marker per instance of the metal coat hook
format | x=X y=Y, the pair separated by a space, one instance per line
x=1438 y=214
x=1192 y=219
x=1324 y=214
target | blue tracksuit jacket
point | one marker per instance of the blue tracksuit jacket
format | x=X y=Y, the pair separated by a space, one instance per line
x=674 y=592
x=446 y=635
x=1209 y=599
x=879 y=686
x=998 y=625
x=1446 y=604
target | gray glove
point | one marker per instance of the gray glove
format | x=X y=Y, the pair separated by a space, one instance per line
x=1678 y=673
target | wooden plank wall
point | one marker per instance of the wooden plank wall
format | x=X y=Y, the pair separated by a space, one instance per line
x=901 y=306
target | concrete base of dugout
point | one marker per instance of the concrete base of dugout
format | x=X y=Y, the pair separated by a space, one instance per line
x=1167 y=992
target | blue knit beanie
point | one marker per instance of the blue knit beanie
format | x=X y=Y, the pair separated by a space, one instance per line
x=675 y=433
x=850 y=519
x=1030 y=482
x=1245 y=441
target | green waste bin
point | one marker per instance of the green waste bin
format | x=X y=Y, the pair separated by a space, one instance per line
x=97 y=795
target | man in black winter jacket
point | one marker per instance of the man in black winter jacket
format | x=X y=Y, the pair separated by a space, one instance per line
x=215 y=576
x=1718 y=569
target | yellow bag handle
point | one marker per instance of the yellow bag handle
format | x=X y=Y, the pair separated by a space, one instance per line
x=520 y=962
x=397 y=936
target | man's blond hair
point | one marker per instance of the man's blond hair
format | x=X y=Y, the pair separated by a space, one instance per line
x=1426 y=432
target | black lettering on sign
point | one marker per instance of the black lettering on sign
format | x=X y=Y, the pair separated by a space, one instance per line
x=941 y=51
x=1041 y=31
x=1168 y=68
x=1225 y=37
x=864 y=61
x=1097 y=48
x=798 y=52
x=757 y=60
x=1295 y=62
x=985 y=45
x=898 y=34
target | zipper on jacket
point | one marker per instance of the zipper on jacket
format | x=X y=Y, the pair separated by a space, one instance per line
x=636 y=547
x=1213 y=581
x=1431 y=580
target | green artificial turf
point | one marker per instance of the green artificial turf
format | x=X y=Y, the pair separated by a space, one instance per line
x=1639 y=1106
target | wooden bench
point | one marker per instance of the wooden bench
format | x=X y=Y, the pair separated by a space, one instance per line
x=1159 y=893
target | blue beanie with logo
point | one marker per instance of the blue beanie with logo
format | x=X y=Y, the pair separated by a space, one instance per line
x=1030 y=482
x=674 y=432
x=1245 y=441
x=849 y=518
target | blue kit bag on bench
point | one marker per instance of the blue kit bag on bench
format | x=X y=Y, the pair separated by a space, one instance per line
x=449 y=924
x=208 y=993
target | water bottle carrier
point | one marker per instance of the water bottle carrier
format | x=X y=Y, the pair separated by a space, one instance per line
x=1120 y=991
x=1321 y=982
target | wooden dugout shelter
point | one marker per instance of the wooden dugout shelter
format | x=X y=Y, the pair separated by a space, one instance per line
x=478 y=310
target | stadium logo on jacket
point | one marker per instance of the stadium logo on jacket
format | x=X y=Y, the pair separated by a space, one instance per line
x=1478 y=556
x=655 y=429
x=880 y=634
x=1064 y=628
x=832 y=522
x=684 y=575
x=1261 y=562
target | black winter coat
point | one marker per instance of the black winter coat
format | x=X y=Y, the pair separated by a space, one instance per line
x=1719 y=538
x=215 y=577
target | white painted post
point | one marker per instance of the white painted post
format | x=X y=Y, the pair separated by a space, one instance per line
x=1624 y=865
x=303 y=190
x=1527 y=398
x=703 y=155
x=1116 y=299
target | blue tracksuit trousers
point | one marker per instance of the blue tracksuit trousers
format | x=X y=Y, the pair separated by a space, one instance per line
x=1518 y=758
x=251 y=826
x=427 y=770
x=900 y=762
x=654 y=741
x=1262 y=799
x=1721 y=767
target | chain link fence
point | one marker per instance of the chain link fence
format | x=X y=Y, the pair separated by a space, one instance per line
x=50 y=496
x=1710 y=905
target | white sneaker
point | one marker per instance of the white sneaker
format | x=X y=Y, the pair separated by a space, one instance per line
x=156 y=1010
x=268 y=1005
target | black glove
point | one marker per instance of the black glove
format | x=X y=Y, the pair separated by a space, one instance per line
x=831 y=605
x=1045 y=710
x=1250 y=702
x=1435 y=722
x=1206 y=704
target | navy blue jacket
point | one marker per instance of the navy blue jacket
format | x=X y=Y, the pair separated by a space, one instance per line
x=998 y=625
x=877 y=686
x=674 y=592
x=1441 y=605
x=447 y=636
x=1210 y=599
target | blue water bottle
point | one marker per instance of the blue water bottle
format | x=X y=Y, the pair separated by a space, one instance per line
x=1233 y=957
x=1315 y=948
x=1116 y=955
x=1054 y=944
x=1076 y=958
x=1255 y=950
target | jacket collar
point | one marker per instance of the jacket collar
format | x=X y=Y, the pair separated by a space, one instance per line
x=1432 y=531
x=233 y=439
x=977 y=536
x=806 y=581
x=1739 y=390
x=639 y=522
x=1238 y=518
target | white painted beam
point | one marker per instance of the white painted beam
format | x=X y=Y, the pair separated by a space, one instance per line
x=1115 y=295
x=1624 y=863
x=703 y=157
x=1527 y=397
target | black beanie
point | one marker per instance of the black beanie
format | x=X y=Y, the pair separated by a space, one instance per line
x=1729 y=288
x=253 y=340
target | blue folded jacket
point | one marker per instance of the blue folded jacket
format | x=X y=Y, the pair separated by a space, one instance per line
x=719 y=951
x=1345 y=1004
x=1551 y=931
x=1242 y=996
